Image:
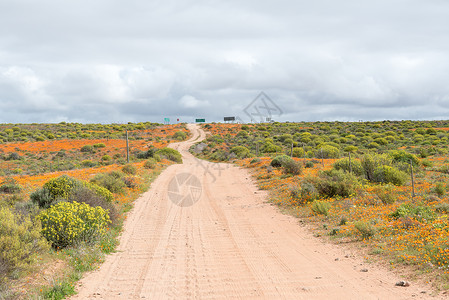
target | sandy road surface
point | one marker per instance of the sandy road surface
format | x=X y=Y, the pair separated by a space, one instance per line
x=230 y=244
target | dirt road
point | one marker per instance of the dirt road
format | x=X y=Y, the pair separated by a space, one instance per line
x=228 y=244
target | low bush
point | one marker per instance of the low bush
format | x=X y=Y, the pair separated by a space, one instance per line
x=170 y=154
x=327 y=151
x=370 y=162
x=99 y=191
x=404 y=157
x=20 y=241
x=87 y=149
x=298 y=152
x=292 y=167
x=86 y=195
x=421 y=213
x=333 y=183
x=67 y=223
x=129 y=169
x=146 y=154
x=111 y=181
x=180 y=135
x=440 y=189
x=279 y=161
x=365 y=229
x=255 y=160
x=355 y=167
x=309 y=164
x=61 y=187
x=88 y=163
x=320 y=207
x=150 y=163
x=10 y=188
x=240 y=151
x=387 y=174
x=43 y=198
x=308 y=191
x=385 y=194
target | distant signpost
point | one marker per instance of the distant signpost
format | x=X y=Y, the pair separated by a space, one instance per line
x=227 y=119
x=200 y=120
x=166 y=120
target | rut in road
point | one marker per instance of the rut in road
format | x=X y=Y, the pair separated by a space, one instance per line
x=229 y=244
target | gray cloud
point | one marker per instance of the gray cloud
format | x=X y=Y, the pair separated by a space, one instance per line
x=111 y=61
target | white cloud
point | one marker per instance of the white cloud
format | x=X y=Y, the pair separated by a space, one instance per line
x=189 y=101
x=100 y=60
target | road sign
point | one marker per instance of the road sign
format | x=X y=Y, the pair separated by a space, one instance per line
x=200 y=120
x=229 y=119
x=166 y=120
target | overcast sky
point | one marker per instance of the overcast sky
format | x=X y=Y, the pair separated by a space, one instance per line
x=116 y=61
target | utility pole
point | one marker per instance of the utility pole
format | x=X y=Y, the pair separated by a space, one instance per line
x=127 y=147
x=413 y=181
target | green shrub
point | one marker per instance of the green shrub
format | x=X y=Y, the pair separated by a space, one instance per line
x=333 y=183
x=404 y=157
x=279 y=161
x=370 y=162
x=99 y=145
x=20 y=241
x=421 y=213
x=111 y=181
x=180 y=135
x=269 y=147
x=385 y=194
x=129 y=169
x=309 y=164
x=444 y=169
x=343 y=164
x=442 y=208
x=43 y=198
x=320 y=207
x=60 y=187
x=88 y=163
x=10 y=187
x=170 y=154
x=86 y=195
x=240 y=151
x=327 y=151
x=365 y=229
x=387 y=174
x=88 y=149
x=106 y=158
x=150 y=163
x=255 y=160
x=440 y=189
x=100 y=191
x=292 y=167
x=298 y=152
x=146 y=154
x=308 y=191
x=68 y=223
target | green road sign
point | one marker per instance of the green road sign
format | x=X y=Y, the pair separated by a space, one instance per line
x=166 y=120
x=200 y=120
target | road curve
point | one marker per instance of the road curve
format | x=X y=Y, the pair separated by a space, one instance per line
x=229 y=244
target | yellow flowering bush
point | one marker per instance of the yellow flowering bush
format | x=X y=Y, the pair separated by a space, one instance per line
x=99 y=190
x=20 y=241
x=60 y=187
x=67 y=223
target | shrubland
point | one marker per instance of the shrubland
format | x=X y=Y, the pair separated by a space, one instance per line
x=63 y=204
x=381 y=186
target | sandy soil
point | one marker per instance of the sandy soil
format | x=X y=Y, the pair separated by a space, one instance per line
x=228 y=244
